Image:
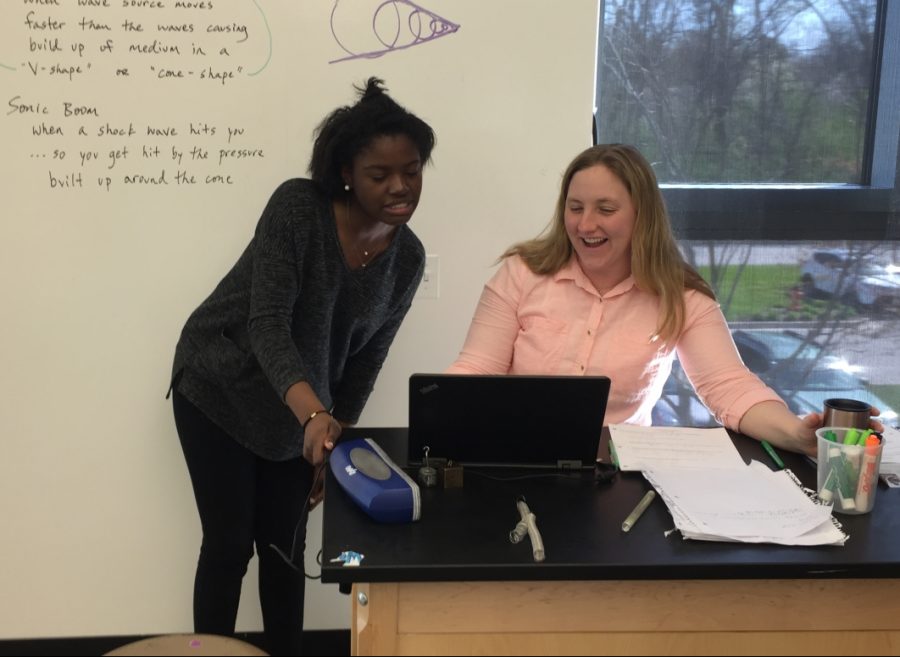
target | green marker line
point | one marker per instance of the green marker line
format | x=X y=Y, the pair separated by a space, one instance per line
x=269 y=32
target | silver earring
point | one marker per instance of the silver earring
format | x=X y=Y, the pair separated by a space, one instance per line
x=346 y=187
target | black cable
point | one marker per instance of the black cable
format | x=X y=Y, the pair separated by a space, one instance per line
x=566 y=475
x=301 y=524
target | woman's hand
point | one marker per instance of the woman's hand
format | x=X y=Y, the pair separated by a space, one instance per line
x=772 y=421
x=806 y=438
x=810 y=423
x=321 y=431
x=319 y=437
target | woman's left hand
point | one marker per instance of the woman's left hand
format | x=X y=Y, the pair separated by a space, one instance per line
x=810 y=423
x=807 y=438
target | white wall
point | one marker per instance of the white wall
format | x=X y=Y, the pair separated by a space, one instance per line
x=99 y=529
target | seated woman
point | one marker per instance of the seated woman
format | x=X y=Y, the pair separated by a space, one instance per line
x=604 y=290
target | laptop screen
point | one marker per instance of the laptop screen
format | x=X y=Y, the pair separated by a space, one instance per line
x=511 y=420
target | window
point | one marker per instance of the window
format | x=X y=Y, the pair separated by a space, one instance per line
x=784 y=112
x=774 y=127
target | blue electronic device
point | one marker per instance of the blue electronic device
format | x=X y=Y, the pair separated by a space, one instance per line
x=375 y=482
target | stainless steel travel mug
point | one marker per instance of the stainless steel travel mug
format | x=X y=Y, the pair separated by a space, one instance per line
x=849 y=413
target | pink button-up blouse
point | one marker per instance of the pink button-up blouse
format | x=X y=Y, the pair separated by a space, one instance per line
x=531 y=324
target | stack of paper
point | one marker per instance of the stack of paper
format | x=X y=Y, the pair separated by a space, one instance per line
x=714 y=496
x=890 y=457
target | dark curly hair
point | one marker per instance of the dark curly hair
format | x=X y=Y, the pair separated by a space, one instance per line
x=348 y=130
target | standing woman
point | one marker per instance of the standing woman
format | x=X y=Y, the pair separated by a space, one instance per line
x=286 y=349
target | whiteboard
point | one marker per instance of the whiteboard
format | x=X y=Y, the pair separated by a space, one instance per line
x=141 y=140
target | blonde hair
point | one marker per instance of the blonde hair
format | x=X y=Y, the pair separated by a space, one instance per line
x=656 y=262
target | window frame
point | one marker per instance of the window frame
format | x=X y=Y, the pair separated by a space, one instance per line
x=786 y=212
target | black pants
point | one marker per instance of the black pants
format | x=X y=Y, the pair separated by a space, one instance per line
x=243 y=499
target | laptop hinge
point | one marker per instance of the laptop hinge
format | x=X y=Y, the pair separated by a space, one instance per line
x=568 y=464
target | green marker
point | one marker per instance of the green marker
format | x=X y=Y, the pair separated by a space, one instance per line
x=827 y=492
x=772 y=453
x=844 y=485
x=829 y=435
x=851 y=437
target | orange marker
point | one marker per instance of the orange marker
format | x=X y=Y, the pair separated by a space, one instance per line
x=868 y=476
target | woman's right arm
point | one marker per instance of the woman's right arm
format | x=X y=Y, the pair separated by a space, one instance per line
x=277 y=264
x=488 y=348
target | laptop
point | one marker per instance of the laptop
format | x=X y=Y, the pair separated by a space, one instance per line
x=507 y=420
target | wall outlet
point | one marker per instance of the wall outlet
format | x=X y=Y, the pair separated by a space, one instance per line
x=430 y=287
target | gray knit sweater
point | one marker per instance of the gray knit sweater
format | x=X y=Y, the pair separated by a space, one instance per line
x=291 y=310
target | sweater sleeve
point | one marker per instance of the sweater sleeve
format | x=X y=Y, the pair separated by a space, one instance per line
x=277 y=263
x=714 y=366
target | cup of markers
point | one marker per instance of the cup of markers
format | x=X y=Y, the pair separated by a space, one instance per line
x=848 y=465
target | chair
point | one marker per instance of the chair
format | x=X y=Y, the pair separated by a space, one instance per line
x=187 y=644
